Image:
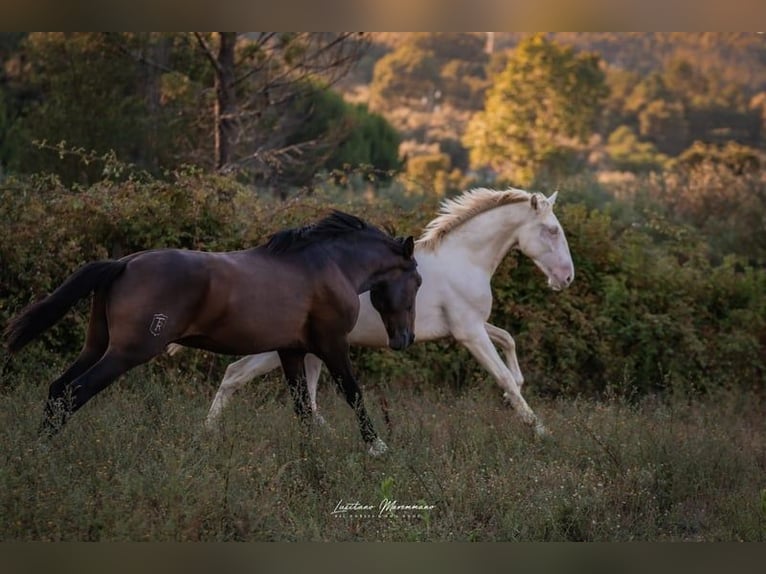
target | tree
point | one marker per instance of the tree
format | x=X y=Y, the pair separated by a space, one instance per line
x=256 y=75
x=216 y=100
x=86 y=93
x=342 y=135
x=736 y=158
x=407 y=75
x=628 y=153
x=621 y=84
x=224 y=109
x=664 y=124
x=545 y=101
x=447 y=66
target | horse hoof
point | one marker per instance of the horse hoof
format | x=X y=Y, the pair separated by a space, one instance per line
x=541 y=431
x=319 y=420
x=377 y=447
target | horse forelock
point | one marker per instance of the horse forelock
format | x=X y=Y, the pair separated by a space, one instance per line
x=456 y=211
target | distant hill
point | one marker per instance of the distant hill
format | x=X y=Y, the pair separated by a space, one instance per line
x=666 y=89
x=737 y=56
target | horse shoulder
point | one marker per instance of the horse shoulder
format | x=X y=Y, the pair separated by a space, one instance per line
x=466 y=296
x=334 y=300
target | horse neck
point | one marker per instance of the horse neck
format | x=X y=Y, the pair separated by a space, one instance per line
x=362 y=266
x=486 y=238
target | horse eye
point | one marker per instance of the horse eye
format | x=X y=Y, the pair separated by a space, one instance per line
x=553 y=230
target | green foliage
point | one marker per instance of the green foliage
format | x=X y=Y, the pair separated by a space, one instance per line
x=545 y=98
x=407 y=74
x=681 y=101
x=736 y=158
x=626 y=152
x=645 y=312
x=429 y=173
x=429 y=67
x=722 y=198
x=91 y=93
x=664 y=123
x=656 y=305
x=345 y=137
x=147 y=97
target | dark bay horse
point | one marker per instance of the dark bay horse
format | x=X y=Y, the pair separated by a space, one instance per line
x=296 y=294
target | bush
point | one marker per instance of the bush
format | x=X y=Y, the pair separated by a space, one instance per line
x=738 y=159
x=649 y=310
x=627 y=153
x=430 y=173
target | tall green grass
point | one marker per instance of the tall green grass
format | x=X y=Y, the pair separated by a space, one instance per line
x=135 y=464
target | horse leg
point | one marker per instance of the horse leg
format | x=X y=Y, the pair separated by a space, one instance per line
x=479 y=344
x=313 y=369
x=503 y=339
x=236 y=376
x=292 y=365
x=339 y=365
x=96 y=342
x=113 y=364
x=56 y=405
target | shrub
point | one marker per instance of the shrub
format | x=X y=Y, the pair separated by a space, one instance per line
x=649 y=310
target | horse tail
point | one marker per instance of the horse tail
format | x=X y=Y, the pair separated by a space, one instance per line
x=40 y=316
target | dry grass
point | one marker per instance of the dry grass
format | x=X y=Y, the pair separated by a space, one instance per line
x=135 y=464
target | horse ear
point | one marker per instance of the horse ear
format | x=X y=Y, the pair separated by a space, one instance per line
x=552 y=198
x=409 y=247
x=533 y=201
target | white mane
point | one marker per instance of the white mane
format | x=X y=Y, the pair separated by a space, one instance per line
x=456 y=211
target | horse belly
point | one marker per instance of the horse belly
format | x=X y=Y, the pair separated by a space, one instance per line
x=249 y=329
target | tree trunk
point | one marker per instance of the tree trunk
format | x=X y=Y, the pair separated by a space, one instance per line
x=158 y=48
x=225 y=103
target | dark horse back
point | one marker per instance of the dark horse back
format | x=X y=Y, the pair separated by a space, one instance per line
x=40 y=316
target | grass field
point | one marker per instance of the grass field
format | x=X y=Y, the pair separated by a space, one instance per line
x=135 y=464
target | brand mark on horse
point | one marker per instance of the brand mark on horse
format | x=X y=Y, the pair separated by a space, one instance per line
x=158 y=322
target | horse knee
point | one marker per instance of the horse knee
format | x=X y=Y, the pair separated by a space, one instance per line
x=234 y=379
x=229 y=384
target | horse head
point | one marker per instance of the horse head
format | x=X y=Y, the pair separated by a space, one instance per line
x=393 y=297
x=542 y=239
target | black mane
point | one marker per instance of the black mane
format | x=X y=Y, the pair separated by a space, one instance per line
x=336 y=224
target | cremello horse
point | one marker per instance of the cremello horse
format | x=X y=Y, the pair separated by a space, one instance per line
x=457 y=255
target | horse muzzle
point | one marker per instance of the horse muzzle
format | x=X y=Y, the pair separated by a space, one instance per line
x=401 y=341
x=561 y=279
